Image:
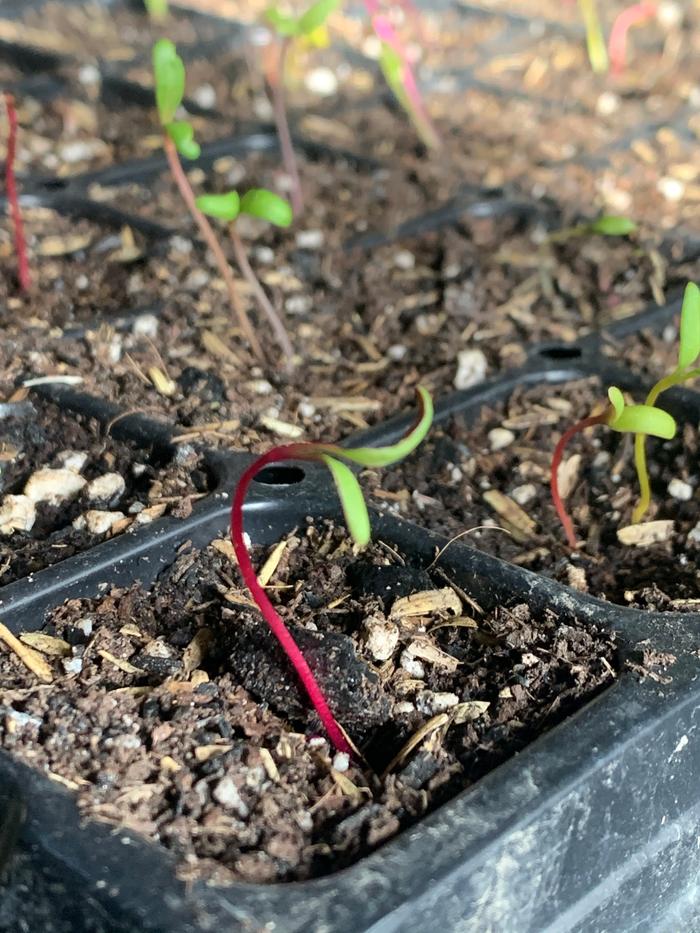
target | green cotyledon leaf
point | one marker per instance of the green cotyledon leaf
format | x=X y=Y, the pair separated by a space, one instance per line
x=383 y=456
x=182 y=134
x=351 y=499
x=222 y=206
x=689 y=348
x=169 y=76
x=639 y=419
x=316 y=16
x=259 y=202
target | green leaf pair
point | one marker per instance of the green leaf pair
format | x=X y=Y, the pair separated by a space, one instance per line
x=349 y=491
x=258 y=202
x=169 y=76
x=639 y=419
x=289 y=27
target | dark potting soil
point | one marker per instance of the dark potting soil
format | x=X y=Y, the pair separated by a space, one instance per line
x=461 y=479
x=181 y=720
x=85 y=502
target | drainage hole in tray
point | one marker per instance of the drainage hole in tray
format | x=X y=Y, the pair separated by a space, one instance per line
x=280 y=476
x=561 y=353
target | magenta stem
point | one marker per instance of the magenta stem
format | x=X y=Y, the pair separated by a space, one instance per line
x=617 y=43
x=275 y=80
x=564 y=516
x=273 y=619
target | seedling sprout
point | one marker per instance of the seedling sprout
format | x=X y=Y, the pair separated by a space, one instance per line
x=289 y=28
x=178 y=139
x=627 y=419
x=595 y=42
x=156 y=9
x=606 y=225
x=258 y=202
x=398 y=74
x=688 y=353
x=12 y=198
x=624 y=21
x=356 y=518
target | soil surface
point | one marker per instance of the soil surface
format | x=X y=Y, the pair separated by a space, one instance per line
x=172 y=711
x=100 y=482
x=461 y=479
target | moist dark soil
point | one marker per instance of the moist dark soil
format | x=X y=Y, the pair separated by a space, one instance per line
x=450 y=483
x=181 y=720
x=36 y=435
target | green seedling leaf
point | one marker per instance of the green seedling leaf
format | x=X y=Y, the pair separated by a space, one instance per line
x=689 y=348
x=617 y=400
x=351 y=499
x=169 y=75
x=643 y=419
x=285 y=26
x=259 y=202
x=157 y=9
x=316 y=16
x=222 y=206
x=392 y=69
x=383 y=456
x=182 y=134
x=610 y=225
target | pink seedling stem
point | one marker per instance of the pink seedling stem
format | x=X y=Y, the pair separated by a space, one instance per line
x=272 y=617
x=11 y=186
x=277 y=59
x=386 y=33
x=564 y=516
x=617 y=43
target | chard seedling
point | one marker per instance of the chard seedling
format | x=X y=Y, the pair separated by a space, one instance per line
x=23 y=275
x=258 y=202
x=597 y=53
x=156 y=9
x=178 y=139
x=607 y=225
x=624 y=21
x=398 y=74
x=688 y=353
x=356 y=518
x=628 y=419
x=289 y=28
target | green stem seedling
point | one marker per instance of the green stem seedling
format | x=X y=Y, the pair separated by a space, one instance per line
x=607 y=225
x=356 y=518
x=258 y=202
x=595 y=41
x=178 y=139
x=288 y=28
x=627 y=419
x=156 y=9
x=688 y=352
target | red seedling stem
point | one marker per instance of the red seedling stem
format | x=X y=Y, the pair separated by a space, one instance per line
x=11 y=185
x=207 y=232
x=275 y=81
x=273 y=619
x=564 y=516
x=617 y=43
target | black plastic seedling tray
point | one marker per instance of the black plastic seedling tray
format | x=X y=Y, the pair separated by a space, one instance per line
x=593 y=827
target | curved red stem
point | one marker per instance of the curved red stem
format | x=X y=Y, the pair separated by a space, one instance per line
x=273 y=619
x=564 y=516
x=12 y=199
x=617 y=43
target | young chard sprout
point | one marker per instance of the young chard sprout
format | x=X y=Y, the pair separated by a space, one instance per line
x=289 y=28
x=156 y=9
x=628 y=419
x=688 y=352
x=12 y=198
x=597 y=53
x=607 y=225
x=617 y=43
x=357 y=520
x=178 y=139
x=267 y=206
x=398 y=74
